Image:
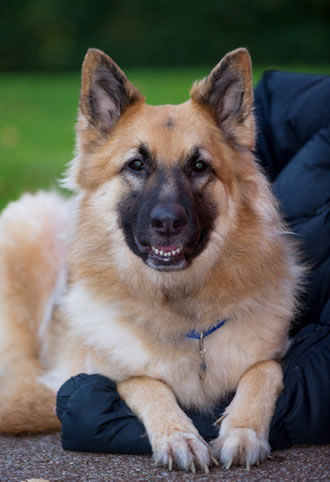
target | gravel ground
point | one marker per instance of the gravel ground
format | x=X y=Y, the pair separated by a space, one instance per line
x=41 y=457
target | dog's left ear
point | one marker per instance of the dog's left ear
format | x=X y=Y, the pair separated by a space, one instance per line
x=228 y=94
x=105 y=91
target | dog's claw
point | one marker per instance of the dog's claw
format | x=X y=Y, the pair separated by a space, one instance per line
x=227 y=467
x=193 y=468
x=214 y=460
x=170 y=463
x=270 y=457
x=248 y=466
x=258 y=462
x=206 y=469
x=220 y=419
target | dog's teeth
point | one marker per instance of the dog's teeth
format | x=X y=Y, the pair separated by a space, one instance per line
x=166 y=254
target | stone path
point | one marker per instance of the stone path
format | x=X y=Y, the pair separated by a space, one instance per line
x=41 y=457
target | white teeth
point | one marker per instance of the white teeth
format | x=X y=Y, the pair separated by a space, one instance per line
x=166 y=254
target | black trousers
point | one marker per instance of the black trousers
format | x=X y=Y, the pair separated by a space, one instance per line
x=95 y=419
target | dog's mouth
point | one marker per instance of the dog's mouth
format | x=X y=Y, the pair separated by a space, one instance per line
x=162 y=258
x=166 y=258
x=171 y=257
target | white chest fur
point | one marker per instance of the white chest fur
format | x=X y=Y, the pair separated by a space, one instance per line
x=119 y=349
x=98 y=324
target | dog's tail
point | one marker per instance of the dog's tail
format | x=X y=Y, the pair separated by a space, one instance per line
x=31 y=257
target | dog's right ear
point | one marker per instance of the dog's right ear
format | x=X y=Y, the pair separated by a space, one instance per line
x=105 y=91
x=105 y=94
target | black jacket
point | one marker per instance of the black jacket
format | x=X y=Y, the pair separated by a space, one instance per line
x=293 y=117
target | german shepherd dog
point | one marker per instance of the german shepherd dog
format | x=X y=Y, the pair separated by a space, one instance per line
x=168 y=271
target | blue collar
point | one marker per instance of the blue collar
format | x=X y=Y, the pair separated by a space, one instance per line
x=198 y=335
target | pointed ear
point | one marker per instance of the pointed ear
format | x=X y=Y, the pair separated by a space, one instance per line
x=105 y=91
x=228 y=93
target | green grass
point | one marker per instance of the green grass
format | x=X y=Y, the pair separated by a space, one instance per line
x=38 y=114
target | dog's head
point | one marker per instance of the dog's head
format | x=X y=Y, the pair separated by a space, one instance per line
x=161 y=176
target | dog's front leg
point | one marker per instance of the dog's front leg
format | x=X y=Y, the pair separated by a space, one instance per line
x=172 y=435
x=243 y=437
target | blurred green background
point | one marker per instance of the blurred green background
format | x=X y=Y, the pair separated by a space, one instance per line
x=163 y=46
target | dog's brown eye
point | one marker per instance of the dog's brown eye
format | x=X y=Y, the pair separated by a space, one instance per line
x=136 y=165
x=199 y=166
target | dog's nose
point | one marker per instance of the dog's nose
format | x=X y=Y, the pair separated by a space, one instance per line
x=169 y=219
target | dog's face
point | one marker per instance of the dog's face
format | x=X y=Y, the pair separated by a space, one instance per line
x=168 y=170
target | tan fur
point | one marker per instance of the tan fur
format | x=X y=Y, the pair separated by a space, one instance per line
x=127 y=321
x=169 y=432
x=31 y=256
x=245 y=424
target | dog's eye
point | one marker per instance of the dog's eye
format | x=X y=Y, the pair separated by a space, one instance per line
x=136 y=165
x=199 y=166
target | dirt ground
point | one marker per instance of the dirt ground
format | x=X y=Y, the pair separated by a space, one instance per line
x=42 y=457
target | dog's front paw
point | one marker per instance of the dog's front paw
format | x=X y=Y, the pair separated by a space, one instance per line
x=240 y=446
x=184 y=450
